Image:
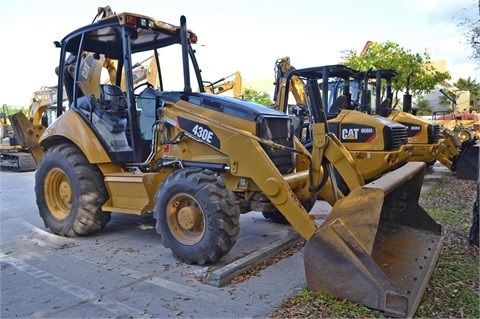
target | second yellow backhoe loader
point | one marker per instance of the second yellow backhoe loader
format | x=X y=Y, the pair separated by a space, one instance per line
x=196 y=161
x=222 y=86
x=377 y=145
x=429 y=143
x=44 y=102
x=13 y=156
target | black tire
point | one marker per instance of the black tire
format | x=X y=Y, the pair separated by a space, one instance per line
x=70 y=192
x=431 y=163
x=464 y=134
x=196 y=216
x=277 y=217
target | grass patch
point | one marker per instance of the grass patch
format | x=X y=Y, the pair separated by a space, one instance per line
x=453 y=289
x=308 y=304
x=451 y=216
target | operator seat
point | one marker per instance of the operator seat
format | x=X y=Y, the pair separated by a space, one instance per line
x=339 y=104
x=110 y=108
x=385 y=108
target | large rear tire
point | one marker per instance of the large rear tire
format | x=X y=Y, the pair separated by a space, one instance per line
x=70 y=192
x=196 y=216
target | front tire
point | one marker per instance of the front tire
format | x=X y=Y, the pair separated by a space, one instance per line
x=196 y=216
x=70 y=192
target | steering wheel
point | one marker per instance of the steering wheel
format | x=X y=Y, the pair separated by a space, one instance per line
x=148 y=84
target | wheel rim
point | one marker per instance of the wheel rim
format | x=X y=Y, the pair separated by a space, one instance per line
x=463 y=136
x=58 y=193
x=185 y=219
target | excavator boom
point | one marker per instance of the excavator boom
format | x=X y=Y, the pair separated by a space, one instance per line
x=221 y=86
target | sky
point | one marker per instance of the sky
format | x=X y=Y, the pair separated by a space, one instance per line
x=244 y=35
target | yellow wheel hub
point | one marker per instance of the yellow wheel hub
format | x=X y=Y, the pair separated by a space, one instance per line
x=463 y=136
x=189 y=218
x=58 y=193
x=185 y=219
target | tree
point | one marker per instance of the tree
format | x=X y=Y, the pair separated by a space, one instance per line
x=471 y=28
x=474 y=88
x=10 y=110
x=423 y=107
x=389 y=55
x=262 y=98
x=462 y=85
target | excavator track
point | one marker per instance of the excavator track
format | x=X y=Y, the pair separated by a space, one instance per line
x=17 y=162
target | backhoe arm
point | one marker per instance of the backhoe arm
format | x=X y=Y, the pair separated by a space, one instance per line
x=296 y=86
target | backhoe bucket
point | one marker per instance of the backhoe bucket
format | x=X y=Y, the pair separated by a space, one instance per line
x=378 y=247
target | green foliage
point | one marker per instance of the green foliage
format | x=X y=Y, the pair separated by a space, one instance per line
x=452 y=216
x=474 y=88
x=262 y=98
x=423 y=107
x=389 y=55
x=445 y=101
x=453 y=289
x=8 y=110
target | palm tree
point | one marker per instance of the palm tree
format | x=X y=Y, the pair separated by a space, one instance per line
x=474 y=88
x=423 y=107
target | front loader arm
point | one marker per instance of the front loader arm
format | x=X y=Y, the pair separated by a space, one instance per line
x=448 y=153
x=247 y=159
x=327 y=150
x=256 y=165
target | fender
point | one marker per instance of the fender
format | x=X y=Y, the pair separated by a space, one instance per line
x=82 y=136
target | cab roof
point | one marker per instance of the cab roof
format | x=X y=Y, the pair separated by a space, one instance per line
x=105 y=36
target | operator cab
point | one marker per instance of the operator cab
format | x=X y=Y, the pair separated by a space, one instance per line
x=103 y=85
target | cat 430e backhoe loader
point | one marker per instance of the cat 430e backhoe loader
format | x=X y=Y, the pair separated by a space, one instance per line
x=429 y=142
x=197 y=161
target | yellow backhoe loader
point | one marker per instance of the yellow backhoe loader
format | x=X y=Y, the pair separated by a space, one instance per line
x=44 y=102
x=377 y=145
x=13 y=157
x=222 y=86
x=196 y=161
x=461 y=120
x=429 y=141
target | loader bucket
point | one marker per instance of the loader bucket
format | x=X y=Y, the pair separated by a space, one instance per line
x=378 y=247
x=467 y=163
